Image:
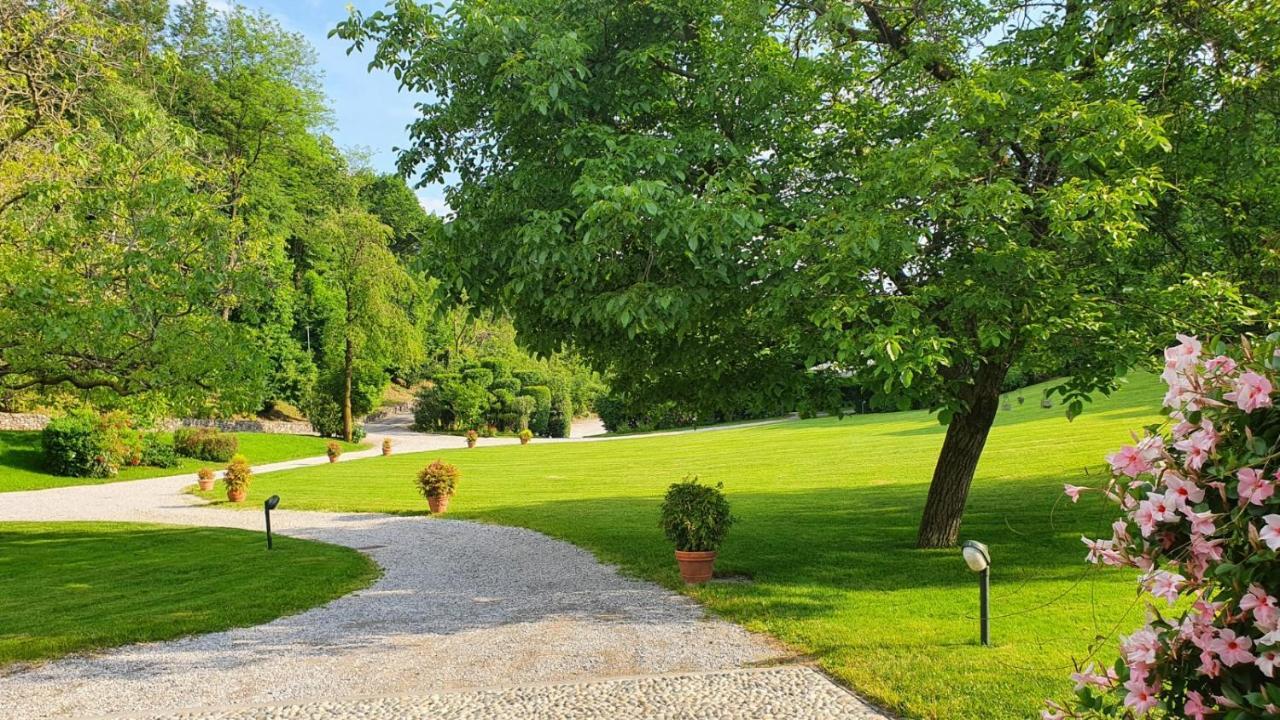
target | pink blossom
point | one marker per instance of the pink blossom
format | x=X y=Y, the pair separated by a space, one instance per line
x=1221 y=365
x=1087 y=677
x=1201 y=522
x=1254 y=487
x=1129 y=461
x=1231 y=648
x=1198 y=447
x=1267 y=662
x=1250 y=392
x=1185 y=491
x=1096 y=548
x=1073 y=491
x=1183 y=355
x=1155 y=509
x=1141 y=697
x=1195 y=708
x=1263 y=606
x=1166 y=585
x=1209 y=665
x=1052 y=715
x=1271 y=533
x=1140 y=648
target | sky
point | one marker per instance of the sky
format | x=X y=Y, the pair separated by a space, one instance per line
x=368 y=110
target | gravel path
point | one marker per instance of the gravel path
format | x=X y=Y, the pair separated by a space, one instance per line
x=459 y=605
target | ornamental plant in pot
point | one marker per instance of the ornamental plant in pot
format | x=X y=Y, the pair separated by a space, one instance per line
x=333 y=450
x=472 y=436
x=525 y=436
x=695 y=517
x=205 y=478
x=237 y=478
x=437 y=482
x=386 y=446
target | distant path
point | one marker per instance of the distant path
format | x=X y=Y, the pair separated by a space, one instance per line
x=460 y=605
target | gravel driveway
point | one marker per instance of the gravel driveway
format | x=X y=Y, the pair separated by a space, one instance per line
x=459 y=605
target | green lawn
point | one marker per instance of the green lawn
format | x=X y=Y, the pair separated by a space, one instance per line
x=827 y=514
x=22 y=466
x=72 y=587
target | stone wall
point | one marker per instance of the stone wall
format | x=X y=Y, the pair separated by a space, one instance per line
x=32 y=421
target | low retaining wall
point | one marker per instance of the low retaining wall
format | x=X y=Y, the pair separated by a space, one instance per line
x=33 y=421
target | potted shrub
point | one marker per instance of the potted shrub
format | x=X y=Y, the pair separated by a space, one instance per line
x=472 y=436
x=695 y=518
x=525 y=436
x=386 y=446
x=205 y=478
x=333 y=450
x=437 y=482
x=237 y=478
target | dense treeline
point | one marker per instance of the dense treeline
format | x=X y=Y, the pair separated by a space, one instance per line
x=178 y=233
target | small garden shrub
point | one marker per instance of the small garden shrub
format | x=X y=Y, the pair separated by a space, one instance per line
x=695 y=517
x=158 y=451
x=561 y=417
x=205 y=444
x=480 y=376
x=238 y=474
x=333 y=450
x=489 y=431
x=438 y=479
x=540 y=419
x=472 y=436
x=525 y=436
x=75 y=445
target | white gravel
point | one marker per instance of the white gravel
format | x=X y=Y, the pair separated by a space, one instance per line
x=459 y=605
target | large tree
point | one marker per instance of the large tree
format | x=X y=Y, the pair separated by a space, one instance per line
x=926 y=194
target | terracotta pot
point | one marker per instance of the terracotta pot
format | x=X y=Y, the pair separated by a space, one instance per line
x=237 y=495
x=438 y=504
x=386 y=451
x=206 y=485
x=471 y=443
x=333 y=458
x=696 y=566
x=524 y=441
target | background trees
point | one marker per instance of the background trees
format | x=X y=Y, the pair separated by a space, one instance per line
x=720 y=195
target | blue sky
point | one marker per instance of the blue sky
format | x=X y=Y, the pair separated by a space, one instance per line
x=368 y=111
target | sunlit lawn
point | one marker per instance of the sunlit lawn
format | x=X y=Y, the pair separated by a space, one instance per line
x=828 y=511
x=22 y=465
x=70 y=587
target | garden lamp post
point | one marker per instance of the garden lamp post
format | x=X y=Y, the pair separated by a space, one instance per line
x=267 y=506
x=978 y=558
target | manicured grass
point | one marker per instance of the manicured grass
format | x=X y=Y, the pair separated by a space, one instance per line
x=72 y=587
x=827 y=513
x=22 y=465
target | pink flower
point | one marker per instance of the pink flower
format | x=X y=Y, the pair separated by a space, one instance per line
x=1166 y=585
x=1096 y=548
x=1232 y=649
x=1263 y=606
x=1129 y=461
x=1073 y=491
x=1087 y=677
x=1267 y=662
x=1195 y=708
x=1155 y=509
x=1271 y=533
x=1201 y=522
x=1140 y=648
x=1250 y=392
x=1184 y=491
x=1183 y=355
x=1141 y=697
x=1254 y=487
x=1221 y=365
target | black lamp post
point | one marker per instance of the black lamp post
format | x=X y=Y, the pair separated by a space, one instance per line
x=267 y=506
x=978 y=558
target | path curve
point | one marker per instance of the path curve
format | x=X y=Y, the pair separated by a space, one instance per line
x=459 y=605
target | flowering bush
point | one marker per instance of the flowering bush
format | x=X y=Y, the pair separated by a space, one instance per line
x=1201 y=520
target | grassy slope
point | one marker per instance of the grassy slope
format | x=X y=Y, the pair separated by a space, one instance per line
x=70 y=587
x=22 y=467
x=827 y=515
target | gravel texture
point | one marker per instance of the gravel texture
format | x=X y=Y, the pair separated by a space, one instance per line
x=798 y=693
x=459 y=605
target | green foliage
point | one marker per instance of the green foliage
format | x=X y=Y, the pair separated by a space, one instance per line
x=540 y=419
x=439 y=479
x=325 y=415
x=238 y=474
x=430 y=411
x=525 y=436
x=333 y=450
x=395 y=205
x=369 y=384
x=509 y=384
x=479 y=375
x=158 y=451
x=205 y=443
x=74 y=445
x=561 y=422
x=695 y=517
x=467 y=401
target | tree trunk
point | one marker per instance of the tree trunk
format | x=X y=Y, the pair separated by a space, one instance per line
x=348 y=363
x=952 y=476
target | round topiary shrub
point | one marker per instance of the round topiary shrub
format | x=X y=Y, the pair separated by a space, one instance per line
x=695 y=517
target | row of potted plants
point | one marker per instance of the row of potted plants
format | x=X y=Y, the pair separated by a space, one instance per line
x=472 y=437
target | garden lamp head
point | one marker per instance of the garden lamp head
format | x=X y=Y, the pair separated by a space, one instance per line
x=271 y=502
x=976 y=555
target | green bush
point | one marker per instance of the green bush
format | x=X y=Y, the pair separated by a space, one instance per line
x=540 y=418
x=561 y=417
x=510 y=384
x=205 y=444
x=238 y=474
x=75 y=445
x=438 y=479
x=529 y=377
x=469 y=401
x=430 y=411
x=523 y=407
x=497 y=366
x=480 y=376
x=158 y=451
x=695 y=517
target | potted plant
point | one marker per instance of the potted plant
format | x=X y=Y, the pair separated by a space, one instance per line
x=237 y=477
x=386 y=446
x=436 y=482
x=472 y=436
x=525 y=436
x=333 y=450
x=205 y=477
x=695 y=518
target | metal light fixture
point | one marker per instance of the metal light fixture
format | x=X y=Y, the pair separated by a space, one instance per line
x=267 y=506
x=978 y=558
